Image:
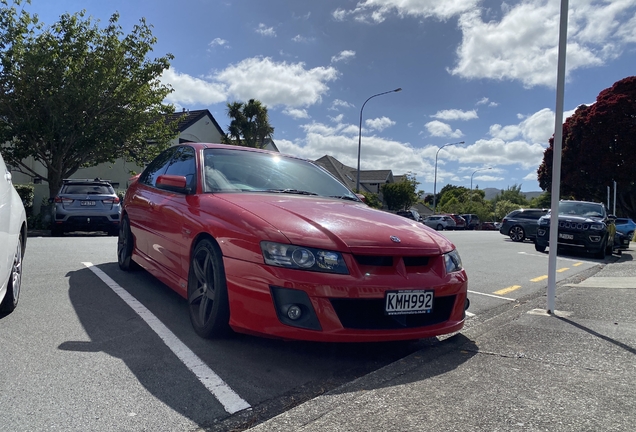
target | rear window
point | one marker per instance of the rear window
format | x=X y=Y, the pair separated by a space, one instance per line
x=87 y=189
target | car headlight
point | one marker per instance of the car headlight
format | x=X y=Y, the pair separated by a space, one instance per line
x=597 y=226
x=303 y=258
x=452 y=261
x=544 y=221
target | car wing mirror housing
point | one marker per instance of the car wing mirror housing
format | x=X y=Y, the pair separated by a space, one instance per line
x=174 y=183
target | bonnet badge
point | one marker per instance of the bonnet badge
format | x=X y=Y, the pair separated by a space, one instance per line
x=395 y=239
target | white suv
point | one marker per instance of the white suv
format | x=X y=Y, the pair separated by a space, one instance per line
x=440 y=222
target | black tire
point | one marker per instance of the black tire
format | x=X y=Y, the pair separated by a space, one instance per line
x=600 y=254
x=208 y=303
x=12 y=295
x=517 y=234
x=125 y=246
x=539 y=248
x=57 y=231
x=439 y=227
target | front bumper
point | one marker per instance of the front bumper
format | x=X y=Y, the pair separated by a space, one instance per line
x=588 y=240
x=347 y=308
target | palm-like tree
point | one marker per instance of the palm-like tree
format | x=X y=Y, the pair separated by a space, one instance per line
x=250 y=124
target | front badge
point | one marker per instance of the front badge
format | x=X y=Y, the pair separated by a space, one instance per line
x=395 y=239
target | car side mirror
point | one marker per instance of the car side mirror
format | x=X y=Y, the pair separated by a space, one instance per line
x=173 y=183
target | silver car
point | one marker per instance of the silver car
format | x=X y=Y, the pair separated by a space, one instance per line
x=13 y=236
x=439 y=222
x=86 y=205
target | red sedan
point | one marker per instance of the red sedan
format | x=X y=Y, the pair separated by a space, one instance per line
x=268 y=244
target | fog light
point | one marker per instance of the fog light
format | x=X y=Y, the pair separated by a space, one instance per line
x=294 y=312
x=595 y=239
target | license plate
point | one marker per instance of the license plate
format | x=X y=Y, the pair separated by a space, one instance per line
x=87 y=203
x=565 y=236
x=408 y=302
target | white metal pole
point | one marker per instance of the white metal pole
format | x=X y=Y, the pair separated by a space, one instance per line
x=614 y=211
x=556 y=161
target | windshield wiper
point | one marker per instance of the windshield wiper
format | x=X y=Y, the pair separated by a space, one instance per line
x=345 y=197
x=291 y=191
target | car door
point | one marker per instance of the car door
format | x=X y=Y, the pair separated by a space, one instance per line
x=140 y=202
x=6 y=251
x=172 y=229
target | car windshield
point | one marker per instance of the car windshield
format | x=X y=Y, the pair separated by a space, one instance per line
x=581 y=209
x=228 y=170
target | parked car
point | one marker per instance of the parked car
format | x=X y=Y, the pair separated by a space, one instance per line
x=521 y=224
x=86 y=205
x=460 y=222
x=583 y=226
x=472 y=221
x=13 y=237
x=411 y=214
x=488 y=226
x=624 y=232
x=268 y=244
x=439 y=222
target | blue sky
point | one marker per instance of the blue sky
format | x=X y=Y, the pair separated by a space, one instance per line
x=478 y=71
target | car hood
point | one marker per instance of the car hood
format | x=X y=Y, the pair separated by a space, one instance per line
x=574 y=218
x=341 y=225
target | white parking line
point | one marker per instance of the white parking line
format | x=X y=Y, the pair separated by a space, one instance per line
x=230 y=400
x=492 y=295
x=470 y=314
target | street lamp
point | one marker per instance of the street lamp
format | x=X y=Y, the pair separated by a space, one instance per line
x=471 y=181
x=435 y=181
x=360 y=132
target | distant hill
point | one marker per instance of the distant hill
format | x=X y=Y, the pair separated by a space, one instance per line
x=491 y=193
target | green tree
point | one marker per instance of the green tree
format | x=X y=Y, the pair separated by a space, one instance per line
x=598 y=148
x=449 y=192
x=503 y=207
x=372 y=200
x=401 y=195
x=542 y=201
x=512 y=194
x=73 y=95
x=249 y=126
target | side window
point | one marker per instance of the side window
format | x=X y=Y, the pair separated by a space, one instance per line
x=157 y=167
x=183 y=164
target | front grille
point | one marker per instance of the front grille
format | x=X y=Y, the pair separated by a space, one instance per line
x=368 y=314
x=387 y=261
x=574 y=225
x=376 y=261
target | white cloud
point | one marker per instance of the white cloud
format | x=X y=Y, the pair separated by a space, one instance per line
x=345 y=55
x=219 y=42
x=486 y=101
x=337 y=119
x=379 y=124
x=296 y=113
x=455 y=114
x=189 y=90
x=523 y=44
x=378 y=10
x=263 y=30
x=339 y=103
x=276 y=83
x=302 y=39
x=438 y=129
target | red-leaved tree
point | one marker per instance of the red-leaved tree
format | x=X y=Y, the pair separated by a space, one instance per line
x=599 y=147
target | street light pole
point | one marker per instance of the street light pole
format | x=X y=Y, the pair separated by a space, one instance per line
x=471 y=181
x=435 y=180
x=360 y=132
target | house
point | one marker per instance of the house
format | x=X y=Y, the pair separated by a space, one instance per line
x=193 y=126
x=370 y=180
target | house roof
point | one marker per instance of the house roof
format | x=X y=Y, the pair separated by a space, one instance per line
x=348 y=175
x=187 y=118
